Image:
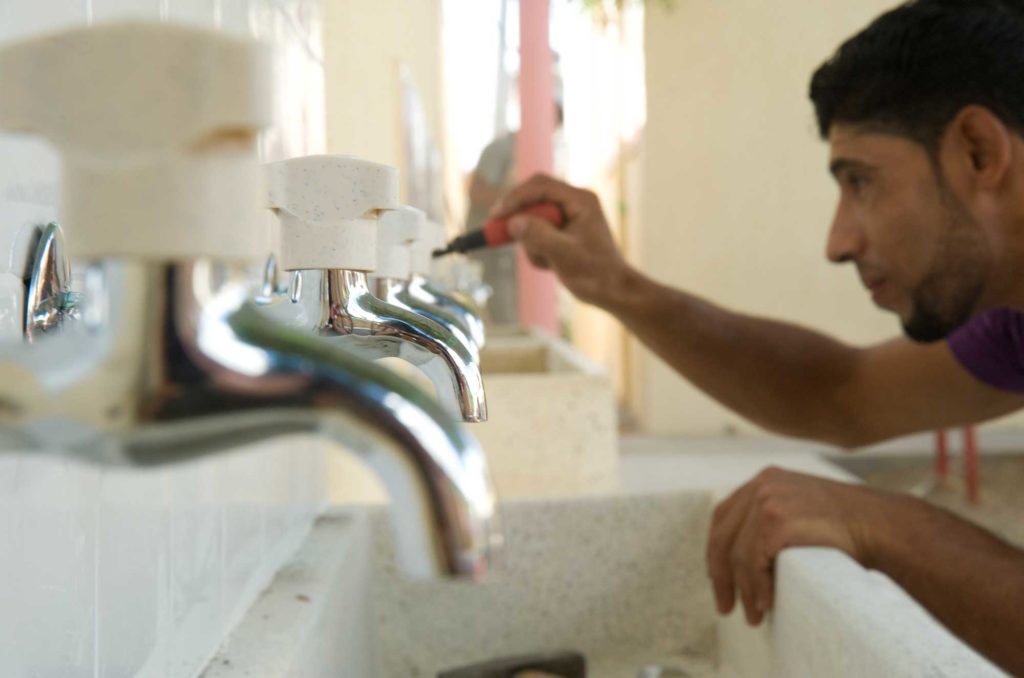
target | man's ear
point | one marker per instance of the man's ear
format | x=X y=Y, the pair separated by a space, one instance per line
x=979 y=146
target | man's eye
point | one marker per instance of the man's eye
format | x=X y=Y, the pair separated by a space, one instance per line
x=856 y=182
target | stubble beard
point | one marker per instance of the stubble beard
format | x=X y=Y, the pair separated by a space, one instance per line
x=949 y=293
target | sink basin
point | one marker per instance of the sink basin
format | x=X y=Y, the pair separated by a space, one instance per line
x=619 y=578
x=552 y=429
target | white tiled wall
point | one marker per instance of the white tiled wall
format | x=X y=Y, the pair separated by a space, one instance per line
x=123 y=573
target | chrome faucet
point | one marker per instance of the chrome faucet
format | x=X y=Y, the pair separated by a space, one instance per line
x=49 y=300
x=462 y=279
x=337 y=304
x=169 y=362
x=397 y=292
x=430 y=296
x=330 y=292
x=416 y=293
x=168 y=359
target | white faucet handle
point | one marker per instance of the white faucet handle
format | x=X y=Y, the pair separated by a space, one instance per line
x=156 y=125
x=431 y=237
x=397 y=231
x=437 y=234
x=328 y=206
x=324 y=188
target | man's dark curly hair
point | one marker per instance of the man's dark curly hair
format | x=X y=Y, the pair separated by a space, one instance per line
x=912 y=69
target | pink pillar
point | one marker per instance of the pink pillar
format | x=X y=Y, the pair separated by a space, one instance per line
x=972 y=477
x=538 y=300
x=941 y=455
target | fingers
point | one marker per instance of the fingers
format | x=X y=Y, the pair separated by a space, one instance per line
x=777 y=510
x=742 y=572
x=748 y=530
x=541 y=241
x=725 y=526
x=753 y=567
x=542 y=188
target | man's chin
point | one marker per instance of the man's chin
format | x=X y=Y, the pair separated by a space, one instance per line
x=901 y=311
x=925 y=329
x=923 y=336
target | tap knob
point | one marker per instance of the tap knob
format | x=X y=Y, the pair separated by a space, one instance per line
x=429 y=238
x=159 y=154
x=397 y=232
x=329 y=207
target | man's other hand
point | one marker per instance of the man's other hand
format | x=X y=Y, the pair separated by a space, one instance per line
x=778 y=509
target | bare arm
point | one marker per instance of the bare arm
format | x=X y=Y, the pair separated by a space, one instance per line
x=970 y=580
x=783 y=377
x=796 y=381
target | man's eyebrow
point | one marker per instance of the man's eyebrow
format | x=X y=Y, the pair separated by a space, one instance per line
x=842 y=164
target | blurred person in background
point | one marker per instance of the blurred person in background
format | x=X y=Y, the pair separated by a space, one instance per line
x=494 y=174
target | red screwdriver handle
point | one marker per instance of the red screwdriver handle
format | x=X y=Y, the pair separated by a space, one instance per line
x=496 y=229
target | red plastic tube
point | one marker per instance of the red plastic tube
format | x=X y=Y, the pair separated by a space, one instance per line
x=495 y=232
x=972 y=477
x=941 y=455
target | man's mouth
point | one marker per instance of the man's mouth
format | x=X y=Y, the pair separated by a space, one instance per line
x=874 y=285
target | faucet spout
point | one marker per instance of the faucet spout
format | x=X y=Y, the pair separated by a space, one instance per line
x=170 y=361
x=397 y=293
x=345 y=310
x=467 y=314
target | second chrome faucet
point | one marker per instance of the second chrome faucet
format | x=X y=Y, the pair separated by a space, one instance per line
x=340 y=220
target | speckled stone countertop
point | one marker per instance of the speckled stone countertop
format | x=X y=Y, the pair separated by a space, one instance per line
x=618 y=578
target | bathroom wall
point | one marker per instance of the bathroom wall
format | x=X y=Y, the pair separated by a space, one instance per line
x=736 y=199
x=366 y=45
x=121 y=573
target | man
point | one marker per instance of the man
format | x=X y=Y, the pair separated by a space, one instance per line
x=924 y=115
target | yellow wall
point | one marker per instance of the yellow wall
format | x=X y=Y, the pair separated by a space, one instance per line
x=365 y=41
x=736 y=200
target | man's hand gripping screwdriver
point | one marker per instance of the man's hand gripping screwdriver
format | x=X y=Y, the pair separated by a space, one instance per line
x=495 y=231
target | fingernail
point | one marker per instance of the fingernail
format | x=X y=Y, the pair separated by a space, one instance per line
x=516 y=227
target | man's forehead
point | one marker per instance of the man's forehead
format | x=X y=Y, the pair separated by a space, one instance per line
x=856 y=143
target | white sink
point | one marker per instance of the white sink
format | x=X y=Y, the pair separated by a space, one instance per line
x=552 y=430
x=619 y=578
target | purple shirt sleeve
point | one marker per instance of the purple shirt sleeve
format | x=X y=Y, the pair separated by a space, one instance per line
x=991 y=347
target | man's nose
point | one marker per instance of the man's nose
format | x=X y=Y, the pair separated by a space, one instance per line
x=845 y=239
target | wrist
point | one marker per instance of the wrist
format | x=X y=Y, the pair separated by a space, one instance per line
x=625 y=291
x=887 y=527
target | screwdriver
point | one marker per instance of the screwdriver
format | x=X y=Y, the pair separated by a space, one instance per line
x=495 y=231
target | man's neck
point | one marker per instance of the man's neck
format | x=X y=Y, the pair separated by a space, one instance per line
x=1006 y=284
